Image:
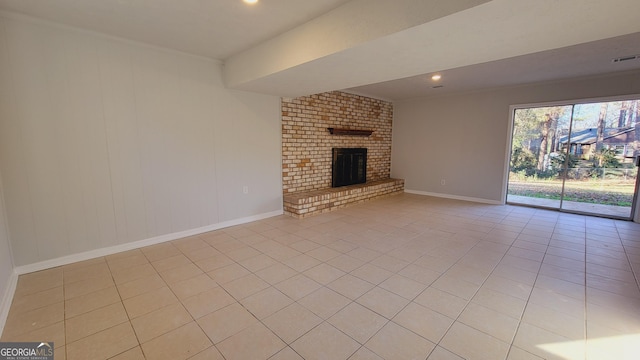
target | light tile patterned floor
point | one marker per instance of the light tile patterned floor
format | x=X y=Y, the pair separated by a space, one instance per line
x=405 y=277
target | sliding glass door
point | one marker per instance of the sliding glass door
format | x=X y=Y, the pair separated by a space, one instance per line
x=576 y=157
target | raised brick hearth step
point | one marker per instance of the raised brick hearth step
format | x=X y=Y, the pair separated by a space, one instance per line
x=303 y=204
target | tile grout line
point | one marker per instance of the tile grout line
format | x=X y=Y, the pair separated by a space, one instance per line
x=527 y=301
x=115 y=284
x=584 y=322
x=633 y=270
x=520 y=320
x=466 y=215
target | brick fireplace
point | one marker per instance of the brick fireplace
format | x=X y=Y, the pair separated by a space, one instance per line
x=307 y=150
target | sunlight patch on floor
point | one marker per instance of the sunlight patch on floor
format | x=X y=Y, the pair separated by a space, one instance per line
x=623 y=347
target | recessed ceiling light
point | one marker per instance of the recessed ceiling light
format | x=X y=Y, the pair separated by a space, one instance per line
x=250 y=1
x=436 y=77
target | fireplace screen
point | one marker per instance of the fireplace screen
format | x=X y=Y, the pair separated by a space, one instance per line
x=349 y=166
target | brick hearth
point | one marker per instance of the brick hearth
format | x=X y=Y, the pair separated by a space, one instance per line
x=307 y=144
x=303 y=204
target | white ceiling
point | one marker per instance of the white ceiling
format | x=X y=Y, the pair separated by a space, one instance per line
x=211 y=28
x=583 y=60
x=380 y=48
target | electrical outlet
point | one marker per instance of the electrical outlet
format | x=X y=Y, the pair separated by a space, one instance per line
x=443 y=182
x=245 y=189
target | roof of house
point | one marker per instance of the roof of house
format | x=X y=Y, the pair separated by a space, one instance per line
x=590 y=135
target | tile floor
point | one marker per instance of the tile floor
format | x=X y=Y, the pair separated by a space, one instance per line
x=404 y=277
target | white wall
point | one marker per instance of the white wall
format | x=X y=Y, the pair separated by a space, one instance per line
x=106 y=142
x=463 y=138
x=7 y=276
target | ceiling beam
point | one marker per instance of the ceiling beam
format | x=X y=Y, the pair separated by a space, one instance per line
x=370 y=41
x=350 y=26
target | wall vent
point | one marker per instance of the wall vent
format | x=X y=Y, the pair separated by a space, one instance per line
x=626 y=58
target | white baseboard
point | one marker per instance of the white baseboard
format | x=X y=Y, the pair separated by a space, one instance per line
x=455 y=197
x=7 y=298
x=69 y=259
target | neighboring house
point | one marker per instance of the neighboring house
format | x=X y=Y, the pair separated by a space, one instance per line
x=583 y=142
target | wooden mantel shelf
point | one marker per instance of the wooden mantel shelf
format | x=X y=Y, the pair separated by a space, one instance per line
x=350 y=132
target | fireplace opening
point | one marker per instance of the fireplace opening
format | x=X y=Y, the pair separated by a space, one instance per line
x=349 y=166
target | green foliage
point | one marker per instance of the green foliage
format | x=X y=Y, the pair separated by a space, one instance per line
x=610 y=192
x=558 y=160
x=526 y=127
x=523 y=160
x=606 y=158
x=528 y=123
x=547 y=174
x=523 y=165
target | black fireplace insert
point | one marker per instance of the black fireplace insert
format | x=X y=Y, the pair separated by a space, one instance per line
x=349 y=166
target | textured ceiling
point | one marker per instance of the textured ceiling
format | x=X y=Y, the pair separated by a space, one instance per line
x=380 y=48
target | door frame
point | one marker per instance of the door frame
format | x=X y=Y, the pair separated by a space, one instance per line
x=635 y=206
